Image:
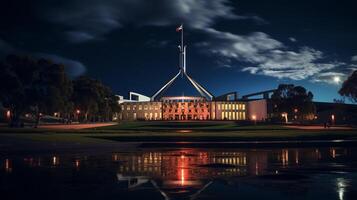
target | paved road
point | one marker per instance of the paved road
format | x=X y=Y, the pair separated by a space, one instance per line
x=75 y=126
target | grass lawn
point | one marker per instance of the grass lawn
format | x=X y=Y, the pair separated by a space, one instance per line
x=227 y=134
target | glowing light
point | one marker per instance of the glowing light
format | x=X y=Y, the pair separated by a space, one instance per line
x=8 y=167
x=341 y=184
x=55 y=160
x=77 y=163
x=78 y=111
x=182 y=177
x=8 y=114
x=254 y=117
x=337 y=79
x=332 y=117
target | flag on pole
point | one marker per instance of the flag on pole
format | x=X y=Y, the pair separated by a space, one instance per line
x=178 y=29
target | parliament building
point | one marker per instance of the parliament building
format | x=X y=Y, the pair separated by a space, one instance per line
x=205 y=106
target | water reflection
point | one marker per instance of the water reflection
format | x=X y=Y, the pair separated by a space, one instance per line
x=189 y=173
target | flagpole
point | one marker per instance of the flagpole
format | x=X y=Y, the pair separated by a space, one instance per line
x=182 y=38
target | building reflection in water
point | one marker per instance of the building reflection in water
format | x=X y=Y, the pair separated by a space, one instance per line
x=55 y=160
x=8 y=166
x=188 y=171
x=341 y=184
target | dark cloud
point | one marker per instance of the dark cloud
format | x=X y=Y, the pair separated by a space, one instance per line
x=78 y=37
x=73 y=68
x=91 y=18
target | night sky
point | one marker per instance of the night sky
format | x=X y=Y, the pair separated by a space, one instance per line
x=242 y=45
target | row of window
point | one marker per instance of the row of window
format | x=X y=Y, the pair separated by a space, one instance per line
x=233 y=115
x=140 y=107
x=231 y=106
x=189 y=110
x=148 y=116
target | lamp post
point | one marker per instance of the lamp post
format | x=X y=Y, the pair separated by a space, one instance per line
x=332 y=119
x=78 y=112
x=254 y=117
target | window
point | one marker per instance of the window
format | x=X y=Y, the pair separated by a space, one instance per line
x=128 y=107
x=218 y=106
x=223 y=113
x=140 y=107
x=243 y=106
x=134 y=116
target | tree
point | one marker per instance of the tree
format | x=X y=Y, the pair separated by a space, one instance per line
x=51 y=90
x=349 y=87
x=294 y=101
x=29 y=85
x=94 y=99
x=16 y=78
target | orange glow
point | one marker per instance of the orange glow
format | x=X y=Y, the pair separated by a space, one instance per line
x=285 y=157
x=296 y=110
x=8 y=167
x=77 y=163
x=78 y=111
x=333 y=117
x=8 y=114
x=184 y=131
x=333 y=153
x=254 y=117
x=182 y=177
x=182 y=169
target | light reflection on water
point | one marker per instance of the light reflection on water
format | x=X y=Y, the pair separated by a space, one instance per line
x=185 y=173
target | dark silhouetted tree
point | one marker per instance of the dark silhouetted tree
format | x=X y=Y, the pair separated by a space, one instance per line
x=293 y=100
x=29 y=85
x=349 y=87
x=94 y=99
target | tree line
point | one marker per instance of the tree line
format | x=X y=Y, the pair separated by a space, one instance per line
x=41 y=87
x=295 y=103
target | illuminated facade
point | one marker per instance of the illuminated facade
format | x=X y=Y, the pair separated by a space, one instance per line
x=203 y=107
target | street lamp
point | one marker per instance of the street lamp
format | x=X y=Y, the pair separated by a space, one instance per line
x=78 y=112
x=254 y=117
x=8 y=114
x=332 y=119
x=285 y=116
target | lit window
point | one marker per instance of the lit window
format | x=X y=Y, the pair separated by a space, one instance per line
x=243 y=106
x=140 y=107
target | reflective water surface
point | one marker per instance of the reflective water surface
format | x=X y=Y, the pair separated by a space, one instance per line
x=306 y=173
